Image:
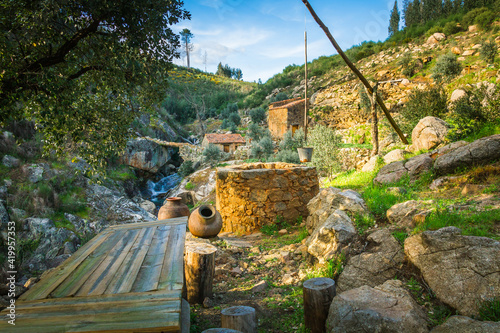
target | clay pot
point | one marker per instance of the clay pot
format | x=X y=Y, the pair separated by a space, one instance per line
x=173 y=207
x=205 y=222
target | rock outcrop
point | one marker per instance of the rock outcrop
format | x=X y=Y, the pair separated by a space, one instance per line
x=479 y=152
x=145 y=155
x=375 y=266
x=385 y=308
x=395 y=171
x=461 y=324
x=429 y=133
x=407 y=214
x=463 y=271
x=334 y=234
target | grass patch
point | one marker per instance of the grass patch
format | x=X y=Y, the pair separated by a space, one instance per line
x=400 y=236
x=363 y=222
x=331 y=269
x=490 y=310
x=472 y=223
x=356 y=145
x=353 y=179
x=189 y=186
x=123 y=173
x=291 y=312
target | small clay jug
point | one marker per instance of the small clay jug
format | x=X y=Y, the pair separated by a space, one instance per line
x=205 y=222
x=173 y=207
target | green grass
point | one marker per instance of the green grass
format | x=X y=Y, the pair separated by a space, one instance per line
x=488 y=129
x=472 y=223
x=400 y=236
x=353 y=179
x=331 y=269
x=189 y=186
x=363 y=222
x=490 y=310
x=356 y=145
x=123 y=173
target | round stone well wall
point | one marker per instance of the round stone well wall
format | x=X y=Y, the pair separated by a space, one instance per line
x=250 y=196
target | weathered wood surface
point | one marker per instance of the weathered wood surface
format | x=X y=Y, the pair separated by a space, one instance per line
x=240 y=318
x=128 y=278
x=199 y=270
x=318 y=294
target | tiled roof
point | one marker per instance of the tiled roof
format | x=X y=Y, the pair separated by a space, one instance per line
x=287 y=104
x=224 y=138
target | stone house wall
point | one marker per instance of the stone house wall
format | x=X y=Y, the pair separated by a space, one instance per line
x=285 y=116
x=250 y=196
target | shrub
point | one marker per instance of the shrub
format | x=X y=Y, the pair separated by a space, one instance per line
x=235 y=118
x=447 y=66
x=226 y=123
x=257 y=115
x=292 y=141
x=281 y=96
x=489 y=51
x=423 y=103
x=212 y=154
x=262 y=149
x=434 y=29
x=410 y=66
x=326 y=144
x=186 y=168
x=485 y=19
x=451 y=28
x=470 y=17
x=287 y=156
x=231 y=108
x=255 y=132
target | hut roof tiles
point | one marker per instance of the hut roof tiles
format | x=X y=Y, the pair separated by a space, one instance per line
x=224 y=138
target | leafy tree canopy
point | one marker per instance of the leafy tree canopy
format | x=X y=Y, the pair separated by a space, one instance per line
x=82 y=70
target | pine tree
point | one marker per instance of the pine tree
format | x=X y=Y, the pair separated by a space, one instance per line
x=409 y=15
x=431 y=9
x=394 y=20
x=186 y=37
x=447 y=8
x=417 y=12
x=457 y=6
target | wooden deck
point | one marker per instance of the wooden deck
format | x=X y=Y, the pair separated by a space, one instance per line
x=128 y=278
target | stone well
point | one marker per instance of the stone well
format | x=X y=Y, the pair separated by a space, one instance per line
x=250 y=196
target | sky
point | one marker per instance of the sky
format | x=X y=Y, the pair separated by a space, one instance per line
x=262 y=37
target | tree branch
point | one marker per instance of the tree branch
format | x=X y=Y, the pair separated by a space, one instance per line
x=83 y=71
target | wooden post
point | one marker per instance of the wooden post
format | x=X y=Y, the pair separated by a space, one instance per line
x=199 y=270
x=318 y=294
x=373 y=100
x=220 y=330
x=241 y=318
x=355 y=71
x=305 y=91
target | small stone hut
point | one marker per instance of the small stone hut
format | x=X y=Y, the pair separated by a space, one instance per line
x=228 y=143
x=250 y=196
x=285 y=116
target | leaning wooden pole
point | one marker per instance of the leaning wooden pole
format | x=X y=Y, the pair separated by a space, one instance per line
x=305 y=89
x=355 y=70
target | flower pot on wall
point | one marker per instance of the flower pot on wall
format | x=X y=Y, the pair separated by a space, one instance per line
x=205 y=222
x=172 y=208
x=305 y=154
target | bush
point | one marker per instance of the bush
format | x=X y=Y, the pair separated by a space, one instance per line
x=231 y=108
x=447 y=66
x=287 y=156
x=489 y=51
x=423 y=103
x=213 y=155
x=292 y=141
x=255 y=132
x=226 y=123
x=470 y=17
x=410 y=66
x=281 y=96
x=262 y=149
x=186 y=168
x=485 y=19
x=257 y=115
x=235 y=118
x=434 y=29
x=326 y=144
x=451 y=28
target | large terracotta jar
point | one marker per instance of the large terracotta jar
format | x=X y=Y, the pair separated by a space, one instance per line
x=205 y=222
x=173 y=207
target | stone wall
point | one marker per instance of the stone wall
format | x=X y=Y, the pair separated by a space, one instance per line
x=283 y=115
x=250 y=196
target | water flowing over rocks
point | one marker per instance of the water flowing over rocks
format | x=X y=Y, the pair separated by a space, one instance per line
x=463 y=271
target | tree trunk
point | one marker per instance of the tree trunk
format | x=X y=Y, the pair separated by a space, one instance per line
x=241 y=318
x=199 y=269
x=373 y=100
x=318 y=294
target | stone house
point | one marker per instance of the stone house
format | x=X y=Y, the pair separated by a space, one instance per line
x=228 y=143
x=286 y=115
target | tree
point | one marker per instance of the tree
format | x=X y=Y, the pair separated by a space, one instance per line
x=82 y=70
x=447 y=8
x=258 y=115
x=394 y=20
x=431 y=9
x=186 y=37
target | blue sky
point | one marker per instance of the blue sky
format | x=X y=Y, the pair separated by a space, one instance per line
x=263 y=37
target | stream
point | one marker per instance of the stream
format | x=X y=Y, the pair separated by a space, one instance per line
x=156 y=192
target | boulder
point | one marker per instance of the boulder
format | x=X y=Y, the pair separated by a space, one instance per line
x=448 y=148
x=473 y=28
x=457 y=94
x=372 y=164
x=385 y=308
x=10 y=161
x=375 y=266
x=461 y=324
x=463 y=271
x=328 y=200
x=408 y=214
x=432 y=40
x=429 y=133
x=468 y=53
x=145 y=155
x=188 y=198
x=456 y=50
x=334 y=234
x=395 y=155
x=33 y=172
x=396 y=170
x=479 y=152
x=148 y=206
x=204 y=185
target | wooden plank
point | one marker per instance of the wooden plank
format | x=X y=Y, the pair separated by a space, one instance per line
x=79 y=276
x=109 y=258
x=177 y=220
x=172 y=273
x=130 y=297
x=127 y=273
x=149 y=273
x=44 y=287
